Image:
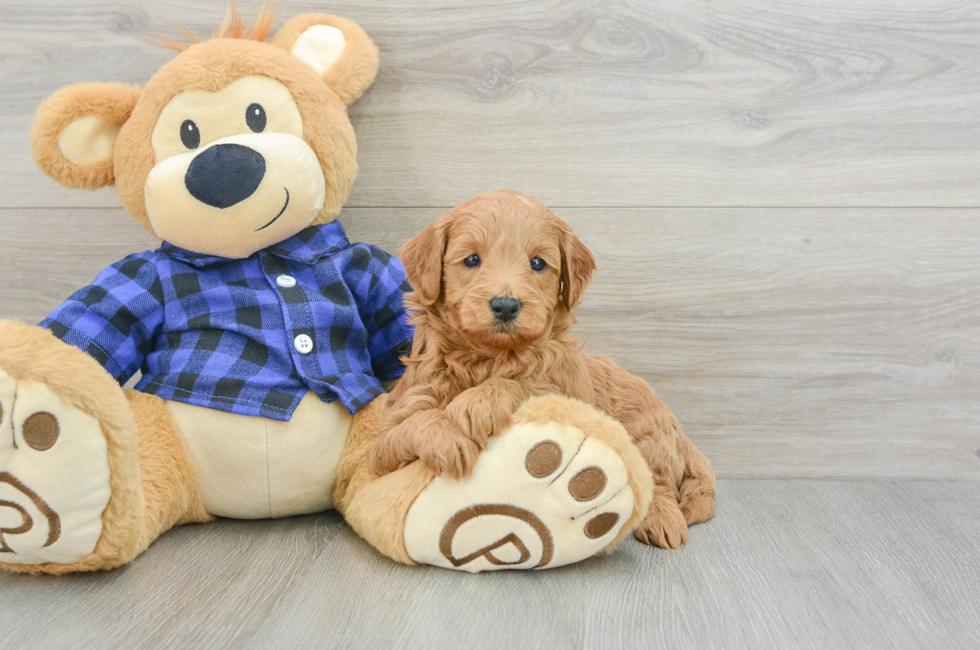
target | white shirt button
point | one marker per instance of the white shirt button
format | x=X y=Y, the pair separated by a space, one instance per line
x=286 y=281
x=303 y=344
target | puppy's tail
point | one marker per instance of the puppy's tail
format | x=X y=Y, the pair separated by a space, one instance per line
x=697 y=493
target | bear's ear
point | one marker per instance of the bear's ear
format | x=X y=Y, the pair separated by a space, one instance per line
x=75 y=131
x=336 y=48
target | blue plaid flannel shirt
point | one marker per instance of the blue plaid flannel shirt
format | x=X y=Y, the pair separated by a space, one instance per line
x=220 y=333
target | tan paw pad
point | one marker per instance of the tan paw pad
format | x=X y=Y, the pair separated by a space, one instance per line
x=541 y=496
x=54 y=476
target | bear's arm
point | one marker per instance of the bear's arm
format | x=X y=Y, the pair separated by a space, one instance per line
x=114 y=318
x=379 y=293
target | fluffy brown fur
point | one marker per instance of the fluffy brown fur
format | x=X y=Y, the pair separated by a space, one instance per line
x=468 y=372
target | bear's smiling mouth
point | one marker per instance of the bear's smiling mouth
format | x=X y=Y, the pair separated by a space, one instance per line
x=278 y=215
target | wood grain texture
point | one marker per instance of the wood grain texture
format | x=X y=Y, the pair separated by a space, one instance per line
x=786 y=564
x=814 y=343
x=581 y=102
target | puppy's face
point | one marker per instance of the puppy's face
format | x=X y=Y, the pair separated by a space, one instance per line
x=501 y=274
x=501 y=267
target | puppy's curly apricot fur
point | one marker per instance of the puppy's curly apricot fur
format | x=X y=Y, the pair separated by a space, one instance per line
x=470 y=368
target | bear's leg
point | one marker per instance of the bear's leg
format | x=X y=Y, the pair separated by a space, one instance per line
x=169 y=480
x=376 y=507
x=88 y=478
x=562 y=483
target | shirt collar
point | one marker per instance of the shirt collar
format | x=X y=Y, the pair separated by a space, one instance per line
x=306 y=246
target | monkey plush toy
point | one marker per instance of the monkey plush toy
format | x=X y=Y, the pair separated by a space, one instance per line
x=263 y=335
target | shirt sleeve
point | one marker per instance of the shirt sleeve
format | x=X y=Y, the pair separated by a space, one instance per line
x=114 y=318
x=380 y=301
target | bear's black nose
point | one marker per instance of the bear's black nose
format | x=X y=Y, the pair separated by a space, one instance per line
x=505 y=309
x=224 y=174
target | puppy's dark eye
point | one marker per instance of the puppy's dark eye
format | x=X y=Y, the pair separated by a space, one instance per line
x=255 y=117
x=537 y=264
x=190 y=135
x=471 y=261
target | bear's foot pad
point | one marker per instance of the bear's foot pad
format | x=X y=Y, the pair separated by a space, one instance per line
x=54 y=476
x=540 y=496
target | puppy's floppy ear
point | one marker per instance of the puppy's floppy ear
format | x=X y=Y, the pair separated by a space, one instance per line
x=577 y=266
x=75 y=130
x=336 y=48
x=422 y=256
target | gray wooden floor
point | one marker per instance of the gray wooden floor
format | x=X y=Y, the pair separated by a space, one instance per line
x=784 y=203
x=786 y=564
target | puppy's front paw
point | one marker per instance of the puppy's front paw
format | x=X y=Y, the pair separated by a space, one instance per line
x=395 y=448
x=427 y=436
x=452 y=455
x=382 y=461
x=485 y=410
x=664 y=526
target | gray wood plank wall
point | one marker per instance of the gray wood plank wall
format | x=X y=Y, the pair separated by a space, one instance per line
x=784 y=200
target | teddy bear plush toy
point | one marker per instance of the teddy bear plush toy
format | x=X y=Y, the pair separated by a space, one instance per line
x=265 y=338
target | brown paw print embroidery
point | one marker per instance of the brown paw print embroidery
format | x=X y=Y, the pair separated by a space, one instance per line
x=40 y=431
x=27 y=522
x=479 y=510
x=542 y=461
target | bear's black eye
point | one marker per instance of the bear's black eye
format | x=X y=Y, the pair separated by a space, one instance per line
x=255 y=117
x=471 y=261
x=538 y=264
x=190 y=135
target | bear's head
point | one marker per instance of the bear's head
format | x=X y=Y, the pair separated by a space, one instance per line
x=236 y=144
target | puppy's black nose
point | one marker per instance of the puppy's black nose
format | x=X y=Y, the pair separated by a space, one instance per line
x=505 y=309
x=224 y=174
